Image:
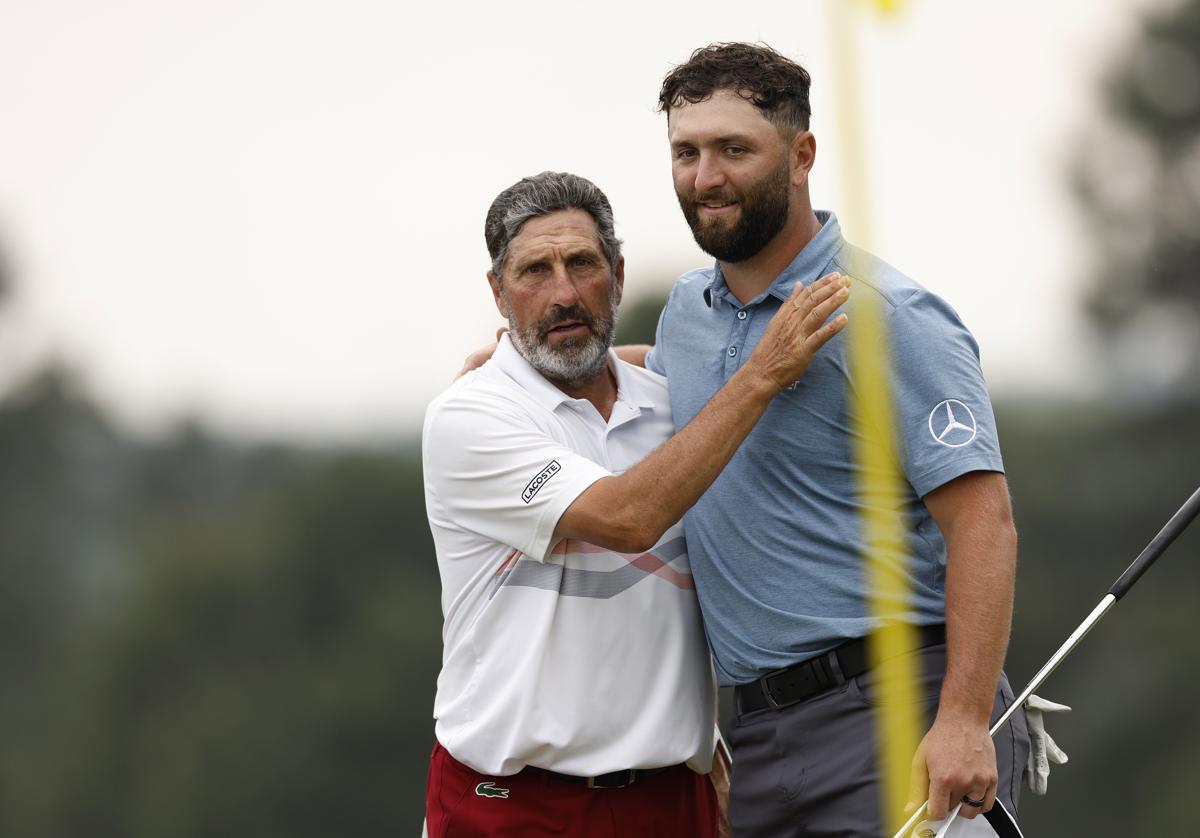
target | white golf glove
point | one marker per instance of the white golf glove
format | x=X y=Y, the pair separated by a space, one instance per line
x=1042 y=750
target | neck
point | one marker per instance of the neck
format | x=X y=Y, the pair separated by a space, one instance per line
x=750 y=278
x=600 y=390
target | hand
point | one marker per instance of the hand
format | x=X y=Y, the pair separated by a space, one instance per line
x=799 y=329
x=1043 y=750
x=956 y=759
x=719 y=776
x=480 y=356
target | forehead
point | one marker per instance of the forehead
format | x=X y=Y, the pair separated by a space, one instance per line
x=570 y=228
x=723 y=115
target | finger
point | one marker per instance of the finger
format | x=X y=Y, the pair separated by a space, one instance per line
x=832 y=276
x=939 y=800
x=918 y=778
x=799 y=301
x=799 y=292
x=823 y=335
x=824 y=288
x=969 y=811
x=821 y=311
x=501 y=331
x=819 y=289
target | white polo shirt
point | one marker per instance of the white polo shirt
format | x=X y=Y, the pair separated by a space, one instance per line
x=565 y=656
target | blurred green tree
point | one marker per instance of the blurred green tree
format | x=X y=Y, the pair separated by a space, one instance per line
x=200 y=637
x=1137 y=177
x=639 y=318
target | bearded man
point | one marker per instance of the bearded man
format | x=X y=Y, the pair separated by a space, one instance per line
x=777 y=544
x=576 y=695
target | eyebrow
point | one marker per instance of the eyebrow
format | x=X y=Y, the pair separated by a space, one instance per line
x=735 y=139
x=591 y=251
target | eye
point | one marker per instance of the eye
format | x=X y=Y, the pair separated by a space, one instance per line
x=685 y=153
x=535 y=268
x=734 y=150
x=582 y=261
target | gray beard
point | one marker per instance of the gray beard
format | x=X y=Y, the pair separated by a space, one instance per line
x=574 y=362
x=566 y=365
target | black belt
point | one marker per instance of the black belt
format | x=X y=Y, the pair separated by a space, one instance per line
x=611 y=780
x=816 y=675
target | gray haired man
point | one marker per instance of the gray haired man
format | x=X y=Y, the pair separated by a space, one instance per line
x=576 y=694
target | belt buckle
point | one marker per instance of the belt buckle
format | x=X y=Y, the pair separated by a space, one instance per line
x=766 y=689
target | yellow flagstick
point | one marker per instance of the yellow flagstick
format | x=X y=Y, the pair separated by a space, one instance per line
x=881 y=485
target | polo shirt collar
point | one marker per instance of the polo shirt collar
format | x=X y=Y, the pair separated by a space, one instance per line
x=806 y=267
x=512 y=363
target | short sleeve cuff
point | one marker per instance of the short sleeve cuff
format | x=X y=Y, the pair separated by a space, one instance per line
x=583 y=474
x=939 y=476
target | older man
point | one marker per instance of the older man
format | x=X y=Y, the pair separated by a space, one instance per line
x=576 y=694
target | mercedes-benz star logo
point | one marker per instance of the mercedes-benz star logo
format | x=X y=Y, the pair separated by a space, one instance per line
x=952 y=424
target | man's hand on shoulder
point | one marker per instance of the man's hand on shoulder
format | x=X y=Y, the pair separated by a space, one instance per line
x=799 y=329
x=630 y=512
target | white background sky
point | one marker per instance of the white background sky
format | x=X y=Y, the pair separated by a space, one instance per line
x=270 y=213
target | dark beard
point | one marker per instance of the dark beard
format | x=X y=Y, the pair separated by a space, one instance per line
x=764 y=212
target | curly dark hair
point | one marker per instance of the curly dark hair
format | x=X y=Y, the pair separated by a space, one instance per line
x=776 y=85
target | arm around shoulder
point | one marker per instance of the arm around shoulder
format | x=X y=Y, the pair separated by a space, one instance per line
x=633 y=353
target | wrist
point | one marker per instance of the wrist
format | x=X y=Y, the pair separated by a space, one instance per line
x=962 y=715
x=758 y=383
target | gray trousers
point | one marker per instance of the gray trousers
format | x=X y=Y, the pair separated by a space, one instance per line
x=810 y=769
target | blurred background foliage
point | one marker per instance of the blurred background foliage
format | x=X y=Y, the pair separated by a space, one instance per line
x=201 y=636
x=1137 y=177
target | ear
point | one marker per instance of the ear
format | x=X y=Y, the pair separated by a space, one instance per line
x=802 y=153
x=619 y=278
x=494 y=281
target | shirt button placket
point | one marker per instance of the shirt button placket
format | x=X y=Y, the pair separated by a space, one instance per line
x=737 y=339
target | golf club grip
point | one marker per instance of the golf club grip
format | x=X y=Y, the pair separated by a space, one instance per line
x=1178 y=523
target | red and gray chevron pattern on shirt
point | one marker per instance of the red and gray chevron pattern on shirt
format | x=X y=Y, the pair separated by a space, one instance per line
x=518 y=570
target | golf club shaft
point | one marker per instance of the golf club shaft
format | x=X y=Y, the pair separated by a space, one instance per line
x=1178 y=523
x=1039 y=679
x=1076 y=636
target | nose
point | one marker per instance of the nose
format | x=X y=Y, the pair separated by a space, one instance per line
x=564 y=292
x=709 y=174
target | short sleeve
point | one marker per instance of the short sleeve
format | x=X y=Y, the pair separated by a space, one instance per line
x=945 y=414
x=654 y=362
x=494 y=472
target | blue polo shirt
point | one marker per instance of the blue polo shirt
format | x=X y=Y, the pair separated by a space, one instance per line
x=776 y=544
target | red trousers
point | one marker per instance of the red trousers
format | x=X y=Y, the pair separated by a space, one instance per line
x=462 y=803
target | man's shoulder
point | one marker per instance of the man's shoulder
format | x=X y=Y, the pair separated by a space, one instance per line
x=485 y=391
x=905 y=300
x=893 y=286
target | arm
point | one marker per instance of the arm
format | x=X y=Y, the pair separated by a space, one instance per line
x=630 y=512
x=722 y=768
x=633 y=353
x=957 y=756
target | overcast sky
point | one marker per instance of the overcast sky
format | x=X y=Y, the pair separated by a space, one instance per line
x=270 y=213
